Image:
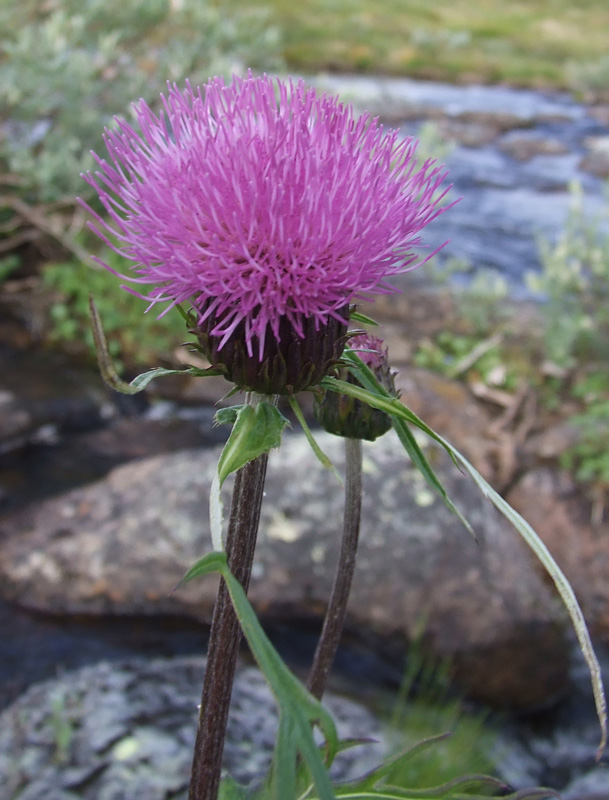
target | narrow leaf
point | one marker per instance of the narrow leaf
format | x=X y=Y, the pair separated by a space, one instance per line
x=418 y=459
x=397 y=410
x=298 y=706
x=323 y=458
x=357 y=316
x=140 y=382
x=299 y=711
x=211 y=562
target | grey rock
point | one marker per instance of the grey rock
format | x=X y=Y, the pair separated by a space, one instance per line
x=121 y=544
x=14 y=420
x=524 y=147
x=119 y=731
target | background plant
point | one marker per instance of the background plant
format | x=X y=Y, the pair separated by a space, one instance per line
x=67 y=67
x=574 y=284
x=426 y=706
x=137 y=337
x=518 y=43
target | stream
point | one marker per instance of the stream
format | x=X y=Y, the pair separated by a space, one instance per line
x=517 y=153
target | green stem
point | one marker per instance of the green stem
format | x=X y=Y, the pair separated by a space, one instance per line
x=225 y=634
x=337 y=606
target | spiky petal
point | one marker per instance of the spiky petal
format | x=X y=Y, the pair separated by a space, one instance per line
x=259 y=201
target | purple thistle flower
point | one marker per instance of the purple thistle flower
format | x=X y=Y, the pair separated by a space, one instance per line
x=262 y=204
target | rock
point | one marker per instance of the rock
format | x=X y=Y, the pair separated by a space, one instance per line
x=524 y=147
x=600 y=113
x=124 y=730
x=469 y=133
x=596 y=159
x=56 y=463
x=551 y=502
x=592 y=786
x=550 y=443
x=448 y=407
x=121 y=544
x=14 y=420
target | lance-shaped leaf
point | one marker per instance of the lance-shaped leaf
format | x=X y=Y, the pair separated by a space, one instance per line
x=140 y=382
x=256 y=429
x=380 y=398
x=299 y=711
x=319 y=453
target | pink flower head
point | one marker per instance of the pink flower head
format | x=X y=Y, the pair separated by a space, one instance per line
x=260 y=201
x=371 y=349
x=342 y=414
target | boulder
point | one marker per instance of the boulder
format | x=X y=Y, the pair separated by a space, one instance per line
x=554 y=505
x=116 y=731
x=14 y=420
x=118 y=546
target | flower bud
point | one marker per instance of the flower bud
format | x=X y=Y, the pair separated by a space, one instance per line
x=346 y=416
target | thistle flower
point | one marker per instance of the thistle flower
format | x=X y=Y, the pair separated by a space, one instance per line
x=344 y=415
x=267 y=207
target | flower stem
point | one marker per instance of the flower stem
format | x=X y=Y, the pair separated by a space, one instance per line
x=337 y=606
x=225 y=634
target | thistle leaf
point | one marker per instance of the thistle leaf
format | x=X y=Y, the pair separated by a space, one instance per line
x=378 y=397
x=140 y=382
x=322 y=457
x=299 y=711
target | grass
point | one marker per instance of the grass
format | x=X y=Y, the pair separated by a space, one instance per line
x=527 y=43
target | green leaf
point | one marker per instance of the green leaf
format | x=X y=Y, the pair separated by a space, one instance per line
x=378 y=398
x=231 y=790
x=256 y=430
x=357 y=316
x=299 y=711
x=139 y=383
x=323 y=458
x=418 y=459
x=226 y=416
x=368 y=380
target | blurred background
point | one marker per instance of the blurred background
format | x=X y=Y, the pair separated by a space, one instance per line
x=501 y=342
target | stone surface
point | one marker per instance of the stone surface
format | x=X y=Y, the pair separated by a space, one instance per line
x=14 y=420
x=555 y=507
x=596 y=159
x=120 y=545
x=125 y=730
x=524 y=148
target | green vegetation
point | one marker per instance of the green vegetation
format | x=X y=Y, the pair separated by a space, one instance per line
x=68 y=67
x=562 y=357
x=521 y=43
x=136 y=338
x=426 y=709
x=575 y=285
x=62 y=726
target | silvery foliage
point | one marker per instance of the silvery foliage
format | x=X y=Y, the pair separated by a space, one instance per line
x=66 y=67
